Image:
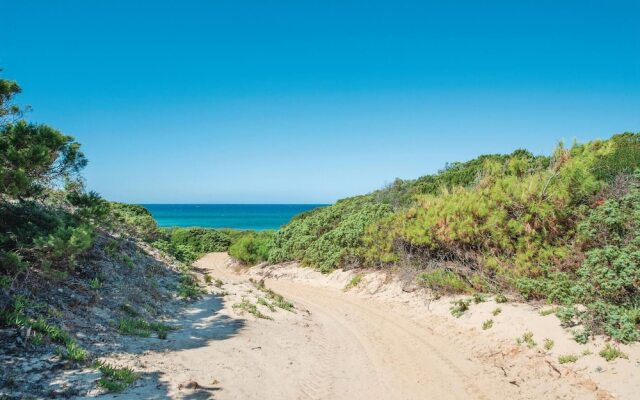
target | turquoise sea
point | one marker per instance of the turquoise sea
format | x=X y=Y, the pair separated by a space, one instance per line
x=237 y=216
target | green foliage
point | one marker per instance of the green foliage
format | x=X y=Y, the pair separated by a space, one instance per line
x=328 y=237
x=134 y=221
x=459 y=307
x=581 y=336
x=34 y=157
x=188 y=287
x=496 y=311
x=276 y=299
x=201 y=240
x=488 y=324
x=527 y=338
x=548 y=344
x=610 y=352
x=16 y=316
x=355 y=281
x=115 y=379
x=252 y=248
x=500 y=298
x=189 y=244
x=443 y=281
x=63 y=246
x=247 y=306
x=141 y=327
x=567 y=358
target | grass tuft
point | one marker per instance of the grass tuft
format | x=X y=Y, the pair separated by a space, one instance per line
x=115 y=379
x=610 y=353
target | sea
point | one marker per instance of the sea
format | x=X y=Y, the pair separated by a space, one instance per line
x=237 y=216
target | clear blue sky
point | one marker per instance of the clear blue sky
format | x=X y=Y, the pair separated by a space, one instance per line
x=311 y=101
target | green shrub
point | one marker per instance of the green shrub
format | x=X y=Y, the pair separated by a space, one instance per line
x=115 y=379
x=610 y=353
x=581 y=336
x=328 y=237
x=459 y=307
x=252 y=248
x=134 y=220
x=355 y=281
x=443 y=280
x=567 y=358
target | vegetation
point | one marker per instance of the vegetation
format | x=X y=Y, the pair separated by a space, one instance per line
x=488 y=324
x=276 y=299
x=328 y=237
x=443 y=281
x=16 y=316
x=563 y=228
x=115 y=379
x=248 y=306
x=527 y=338
x=548 y=344
x=459 y=307
x=189 y=244
x=610 y=352
x=567 y=358
x=355 y=281
x=140 y=327
x=252 y=248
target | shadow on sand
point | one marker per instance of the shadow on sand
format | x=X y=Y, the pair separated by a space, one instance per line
x=197 y=324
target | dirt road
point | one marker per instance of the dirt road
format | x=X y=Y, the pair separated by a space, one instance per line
x=360 y=350
x=333 y=345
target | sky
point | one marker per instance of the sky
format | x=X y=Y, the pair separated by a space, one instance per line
x=311 y=101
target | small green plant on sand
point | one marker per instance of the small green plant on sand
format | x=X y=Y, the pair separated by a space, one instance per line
x=487 y=324
x=581 y=336
x=353 y=282
x=567 y=358
x=548 y=311
x=207 y=278
x=610 y=352
x=479 y=298
x=246 y=306
x=114 y=379
x=276 y=299
x=548 y=344
x=140 y=327
x=496 y=311
x=262 y=301
x=500 y=298
x=459 y=307
x=527 y=338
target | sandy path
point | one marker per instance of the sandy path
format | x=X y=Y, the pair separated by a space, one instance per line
x=368 y=352
x=336 y=345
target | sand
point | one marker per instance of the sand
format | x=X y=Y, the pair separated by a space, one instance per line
x=373 y=341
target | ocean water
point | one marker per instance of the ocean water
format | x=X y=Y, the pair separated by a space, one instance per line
x=237 y=216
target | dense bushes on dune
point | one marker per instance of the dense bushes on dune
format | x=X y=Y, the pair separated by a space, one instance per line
x=562 y=228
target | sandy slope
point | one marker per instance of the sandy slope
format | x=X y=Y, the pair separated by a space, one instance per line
x=374 y=342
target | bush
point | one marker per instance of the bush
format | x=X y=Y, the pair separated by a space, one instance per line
x=134 y=220
x=328 y=237
x=252 y=248
x=201 y=240
x=442 y=280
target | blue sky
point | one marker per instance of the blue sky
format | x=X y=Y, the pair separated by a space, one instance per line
x=311 y=101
